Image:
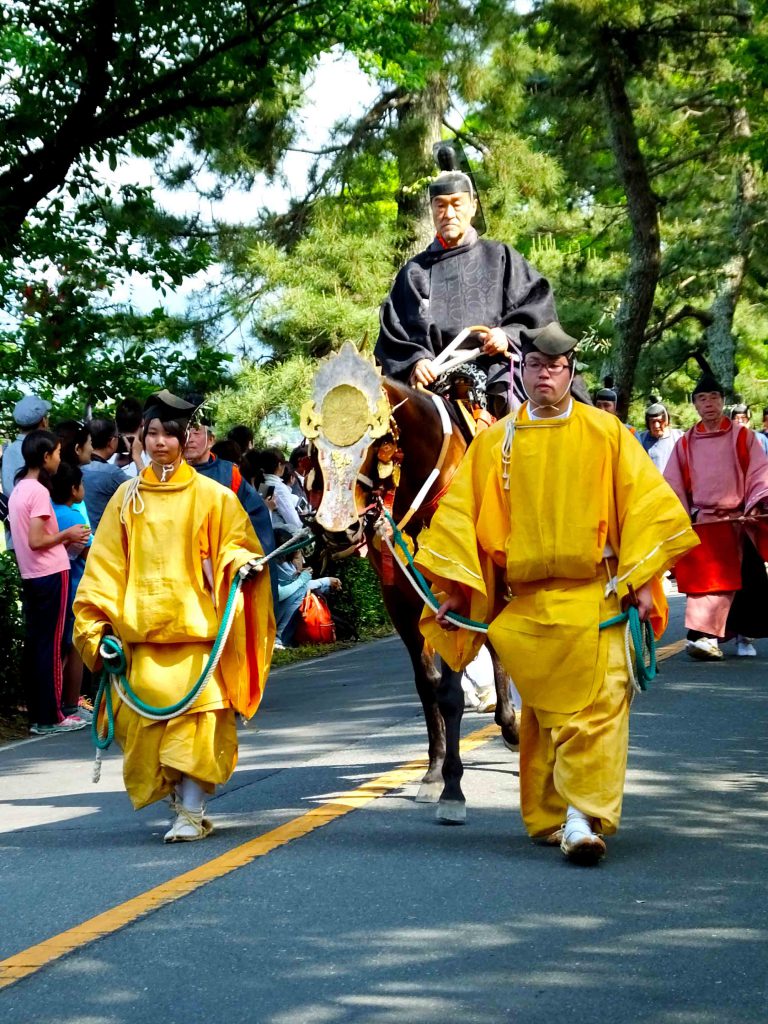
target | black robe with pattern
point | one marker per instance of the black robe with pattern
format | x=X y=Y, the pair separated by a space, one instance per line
x=441 y=291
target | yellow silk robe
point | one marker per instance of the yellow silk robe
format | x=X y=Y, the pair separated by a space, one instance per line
x=160 y=582
x=531 y=561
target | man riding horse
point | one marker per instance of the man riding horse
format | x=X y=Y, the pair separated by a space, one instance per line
x=458 y=281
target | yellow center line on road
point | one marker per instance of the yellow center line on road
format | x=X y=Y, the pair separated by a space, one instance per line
x=669 y=649
x=36 y=957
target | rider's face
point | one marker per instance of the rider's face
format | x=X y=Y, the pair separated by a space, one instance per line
x=452 y=216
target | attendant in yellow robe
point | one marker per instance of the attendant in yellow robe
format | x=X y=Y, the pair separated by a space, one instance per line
x=158 y=576
x=553 y=515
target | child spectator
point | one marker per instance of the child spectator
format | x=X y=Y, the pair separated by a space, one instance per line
x=44 y=567
x=67 y=497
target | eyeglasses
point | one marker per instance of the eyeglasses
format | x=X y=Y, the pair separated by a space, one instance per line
x=537 y=365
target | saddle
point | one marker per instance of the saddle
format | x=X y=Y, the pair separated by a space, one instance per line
x=466 y=398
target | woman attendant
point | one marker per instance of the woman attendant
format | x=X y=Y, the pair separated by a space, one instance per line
x=158 y=576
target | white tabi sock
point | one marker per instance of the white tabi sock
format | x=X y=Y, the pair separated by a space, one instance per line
x=192 y=795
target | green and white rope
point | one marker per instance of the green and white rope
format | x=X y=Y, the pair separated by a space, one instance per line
x=638 y=636
x=113 y=675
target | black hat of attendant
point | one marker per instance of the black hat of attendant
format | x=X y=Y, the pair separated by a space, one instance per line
x=166 y=407
x=550 y=340
x=606 y=394
x=656 y=409
x=706 y=384
x=447 y=183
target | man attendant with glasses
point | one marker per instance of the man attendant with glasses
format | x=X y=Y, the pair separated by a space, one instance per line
x=554 y=522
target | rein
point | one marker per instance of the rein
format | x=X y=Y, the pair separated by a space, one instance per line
x=433 y=476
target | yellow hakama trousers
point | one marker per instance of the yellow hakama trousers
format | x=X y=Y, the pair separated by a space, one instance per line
x=578 y=758
x=201 y=743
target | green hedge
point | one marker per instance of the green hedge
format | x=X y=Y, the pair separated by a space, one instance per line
x=11 y=634
x=359 y=602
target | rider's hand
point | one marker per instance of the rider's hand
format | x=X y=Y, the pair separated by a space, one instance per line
x=452 y=604
x=495 y=342
x=422 y=373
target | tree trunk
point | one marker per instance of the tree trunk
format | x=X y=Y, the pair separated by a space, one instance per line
x=420 y=122
x=721 y=344
x=26 y=183
x=644 y=248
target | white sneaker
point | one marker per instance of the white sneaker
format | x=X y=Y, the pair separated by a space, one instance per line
x=69 y=724
x=579 y=843
x=745 y=648
x=188 y=826
x=704 y=649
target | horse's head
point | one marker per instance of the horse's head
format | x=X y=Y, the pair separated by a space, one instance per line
x=347 y=413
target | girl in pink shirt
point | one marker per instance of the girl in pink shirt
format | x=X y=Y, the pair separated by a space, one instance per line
x=44 y=566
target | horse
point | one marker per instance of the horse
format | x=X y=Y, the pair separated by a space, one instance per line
x=398 y=452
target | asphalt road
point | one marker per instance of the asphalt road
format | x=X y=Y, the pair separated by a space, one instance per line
x=382 y=915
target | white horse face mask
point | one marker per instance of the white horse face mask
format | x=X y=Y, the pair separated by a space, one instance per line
x=347 y=412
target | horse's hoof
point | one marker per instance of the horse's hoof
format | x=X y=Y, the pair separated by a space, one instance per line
x=452 y=812
x=429 y=792
x=510 y=736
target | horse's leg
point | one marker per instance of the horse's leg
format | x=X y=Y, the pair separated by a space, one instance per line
x=506 y=716
x=452 y=807
x=404 y=610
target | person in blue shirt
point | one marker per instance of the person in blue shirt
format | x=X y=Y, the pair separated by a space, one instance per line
x=658 y=439
x=742 y=414
x=294 y=580
x=67 y=499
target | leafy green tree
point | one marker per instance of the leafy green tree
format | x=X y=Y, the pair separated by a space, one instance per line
x=616 y=145
x=88 y=84
x=638 y=103
x=267 y=398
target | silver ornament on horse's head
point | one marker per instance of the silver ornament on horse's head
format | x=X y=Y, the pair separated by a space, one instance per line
x=347 y=412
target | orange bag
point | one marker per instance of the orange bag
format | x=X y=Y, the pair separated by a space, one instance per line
x=315 y=622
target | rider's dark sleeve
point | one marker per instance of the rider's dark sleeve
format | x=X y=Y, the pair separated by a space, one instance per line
x=406 y=332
